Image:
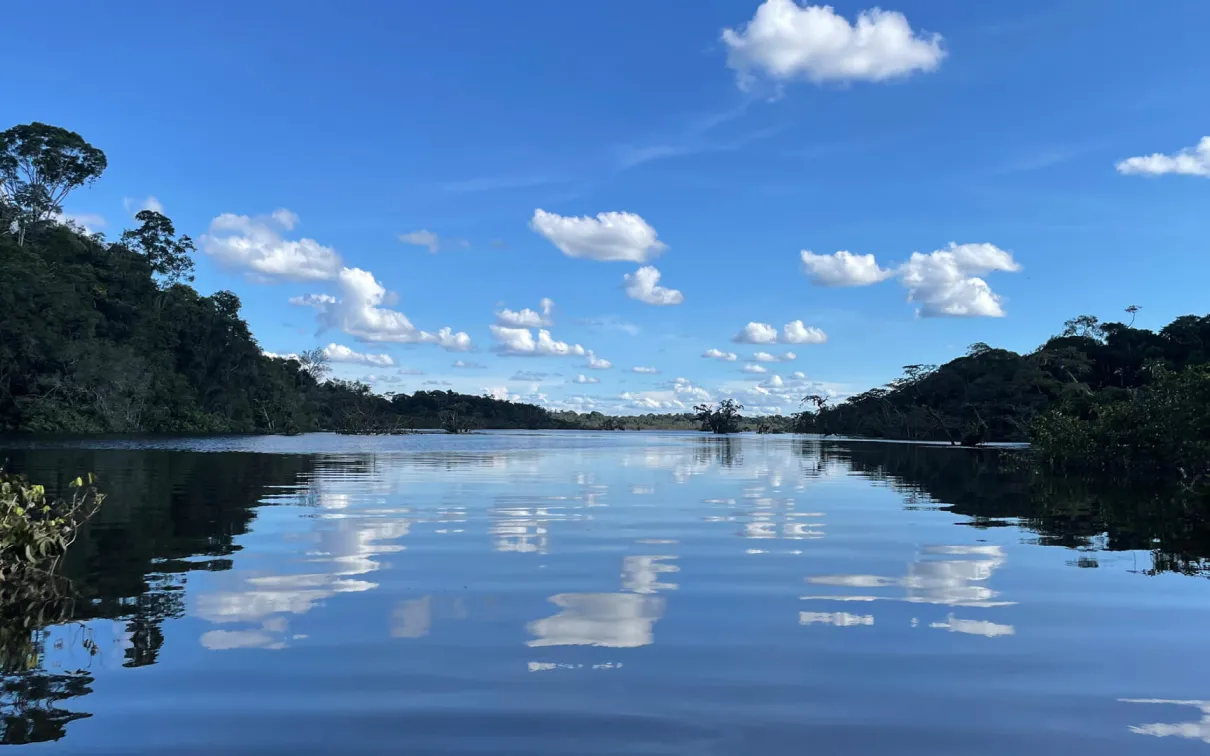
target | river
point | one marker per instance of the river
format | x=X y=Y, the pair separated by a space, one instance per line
x=608 y=593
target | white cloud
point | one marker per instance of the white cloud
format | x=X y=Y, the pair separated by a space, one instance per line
x=358 y=313
x=341 y=353
x=756 y=333
x=88 y=222
x=686 y=391
x=1191 y=161
x=774 y=382
x=598 y=363
x=785 y=41
x=276 y=356
x=644 y=370
x=766 y=357
x=255 y=245
x=500 y=392
x=585 y=379
x=133 y=206
x=643 y=285
x=520 y=341
x=610 y=236
x=795 y=332
x=528 y=318
x=422 y=238
x=946 y=282
x=843 y=269
x=287 y=219
x=463 y=364
x=718 y=354
x=752 y=367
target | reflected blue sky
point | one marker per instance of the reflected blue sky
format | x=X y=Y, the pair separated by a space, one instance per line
x=708 y=594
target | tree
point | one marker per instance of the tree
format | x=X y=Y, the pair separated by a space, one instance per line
x=315 y=364
x=156 y=240
x=1133 y=310
x=1084 y=325
x=724 y=418
x=39 y=166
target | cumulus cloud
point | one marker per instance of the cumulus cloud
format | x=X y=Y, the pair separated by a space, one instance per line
x=785 y=41
x=598 y=363
x=644 y=370
x=767 y=357
x=358 y=312
x=1191 y=161
x=686 y=391
x=643 y=285
x=774 y=382
x=464 y=365
x=795 y=332
x=133 y=206
x=613 y=236
x=501 y=393
x=718 y=354
x=255 y=246
x=756 y=333
x=843 y=269
x=521 y=342
x=947 y=283
x=527 y=318
x=585 y=379
x=753 y=367
x=341 y=353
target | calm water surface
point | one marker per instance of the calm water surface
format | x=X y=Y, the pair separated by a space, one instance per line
x=637 y=593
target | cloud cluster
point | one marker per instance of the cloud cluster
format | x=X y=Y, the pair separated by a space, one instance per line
x=767 y=357
x=794 y=332
x=340 y=353
x=785 y=41
x=358 y=312
x=643 y=285
x=843 y=268
x=1191 y=161
x=613 y=236
x=644 y=370
x=521 y=342
x=255 y=246
x=581 y=378
x=597 y=363
x=527 y=318
x=945 y=283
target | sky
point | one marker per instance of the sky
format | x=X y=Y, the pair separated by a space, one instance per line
x=638 y=206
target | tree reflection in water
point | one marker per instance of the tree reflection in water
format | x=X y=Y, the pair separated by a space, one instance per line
x=163 y=512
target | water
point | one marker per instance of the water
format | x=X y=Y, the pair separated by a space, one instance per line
x=638 y=593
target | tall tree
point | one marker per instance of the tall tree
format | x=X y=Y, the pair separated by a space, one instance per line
x=156 y=240
x=39 y=166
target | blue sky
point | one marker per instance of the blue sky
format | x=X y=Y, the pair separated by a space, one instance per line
x=301 y=143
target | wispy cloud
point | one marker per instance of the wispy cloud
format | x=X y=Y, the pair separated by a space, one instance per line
x=496 y=183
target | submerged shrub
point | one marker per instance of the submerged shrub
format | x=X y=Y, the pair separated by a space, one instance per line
x=36 y=530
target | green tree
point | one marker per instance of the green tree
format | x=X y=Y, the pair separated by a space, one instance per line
x=39 y=166
x=156 y=239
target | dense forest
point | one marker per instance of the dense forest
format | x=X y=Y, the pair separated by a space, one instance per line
x=99 y=336
x=1104 y=397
